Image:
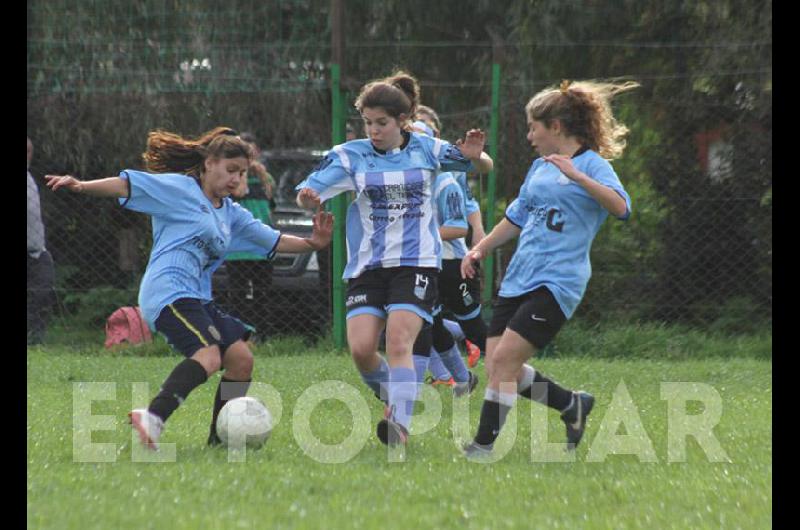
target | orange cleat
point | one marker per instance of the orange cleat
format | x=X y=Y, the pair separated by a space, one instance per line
x=473 y=354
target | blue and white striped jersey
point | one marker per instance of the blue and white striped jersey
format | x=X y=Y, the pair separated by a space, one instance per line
x=452 y=205
x=393 y=220
x=190 y=237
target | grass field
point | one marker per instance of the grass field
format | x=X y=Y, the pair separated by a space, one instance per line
x=280 y=486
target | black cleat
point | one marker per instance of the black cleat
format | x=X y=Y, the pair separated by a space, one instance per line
x=390 y=432
x=467 y=387
x=213 y=439
x=575 y=418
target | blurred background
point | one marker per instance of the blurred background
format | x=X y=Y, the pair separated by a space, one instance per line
x=696 y=252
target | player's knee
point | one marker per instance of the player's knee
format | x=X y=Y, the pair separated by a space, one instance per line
x=239 y=360
x=209 y=358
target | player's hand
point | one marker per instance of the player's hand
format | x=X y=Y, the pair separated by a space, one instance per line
x=322 y=229
x=55 y=182
x=472 y=146
x=308 y=199
x=564 y=163
x=469 y=263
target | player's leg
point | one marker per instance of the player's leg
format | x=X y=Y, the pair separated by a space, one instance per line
x=462 y=297
x=237 y=361
x=412 y=294
x=402 y=328
x=366 y=319
x=190 y=330
x=447 y=349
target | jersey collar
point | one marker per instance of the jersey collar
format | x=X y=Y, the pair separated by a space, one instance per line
x=406 y=139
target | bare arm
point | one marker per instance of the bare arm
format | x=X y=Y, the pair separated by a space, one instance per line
x=476 y=222
x=320 y=236
x=504 y=231
x=448 y=233
x=108 y=187
x=608 y=198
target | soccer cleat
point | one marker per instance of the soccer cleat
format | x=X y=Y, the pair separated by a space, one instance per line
x=213 y=438
x=575 y=418
x=390 y=432
x=460 y=389
x=473 y=354
x=148 y=425
x=476 y=451
x=449 y=382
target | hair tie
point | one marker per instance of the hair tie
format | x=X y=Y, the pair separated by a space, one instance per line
x=565 y=86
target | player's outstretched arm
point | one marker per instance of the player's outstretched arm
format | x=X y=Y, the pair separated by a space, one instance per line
x=109 y=187
x=501 y=233
x=320 y=236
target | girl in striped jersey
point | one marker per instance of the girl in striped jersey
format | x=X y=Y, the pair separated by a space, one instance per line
x=393 y=241
x=195 y=224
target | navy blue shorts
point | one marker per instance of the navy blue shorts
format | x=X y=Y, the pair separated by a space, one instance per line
x=189 y=325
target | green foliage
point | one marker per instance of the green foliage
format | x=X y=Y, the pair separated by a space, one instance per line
x=90 y=309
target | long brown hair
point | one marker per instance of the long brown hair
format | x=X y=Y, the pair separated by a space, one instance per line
x=397 y=94
x=584 y=110
x=171 y=153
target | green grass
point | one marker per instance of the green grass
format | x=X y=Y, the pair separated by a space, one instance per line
x=279 y=486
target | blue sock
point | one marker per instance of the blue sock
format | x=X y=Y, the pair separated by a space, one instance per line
x=455 y=364
x=437 y=368
x=375 y=378
x=455 y=329
x=421 y=366
x=402 y=393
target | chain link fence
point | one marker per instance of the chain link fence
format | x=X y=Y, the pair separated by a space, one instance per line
x=697 y=249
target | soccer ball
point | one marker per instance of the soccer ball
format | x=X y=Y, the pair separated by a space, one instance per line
x=244 y=422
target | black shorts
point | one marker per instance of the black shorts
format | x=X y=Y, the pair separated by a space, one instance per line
x=380 y=291
x=535 y=315
x=457 y=295
x=190 y=325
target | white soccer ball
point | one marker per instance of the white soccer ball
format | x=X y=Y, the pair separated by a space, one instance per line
x=244 y=422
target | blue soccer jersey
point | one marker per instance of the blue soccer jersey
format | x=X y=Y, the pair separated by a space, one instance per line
x=392 y=222
x=559 y=220
x=472 y=204
x=190 y=237
x=452 y=206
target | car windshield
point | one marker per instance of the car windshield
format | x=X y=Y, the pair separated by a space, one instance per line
x=288 y=172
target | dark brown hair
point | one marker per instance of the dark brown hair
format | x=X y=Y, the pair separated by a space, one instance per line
x=584 y=110
x=171 y=153
x=397 y=94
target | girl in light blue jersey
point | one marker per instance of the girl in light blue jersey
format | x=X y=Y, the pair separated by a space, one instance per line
x=195 y=224
x=393 y=241
x=567 y=195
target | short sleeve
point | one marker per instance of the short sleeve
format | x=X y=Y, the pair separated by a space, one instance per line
x=333 y=175
x=152 y=194
x=248 y=234
x=517 y=212
x=604 y=173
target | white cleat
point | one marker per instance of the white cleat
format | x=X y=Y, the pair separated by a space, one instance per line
x=148 y=425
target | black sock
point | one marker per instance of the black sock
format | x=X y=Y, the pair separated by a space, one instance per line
x=556 y=396
x=493 y=416
x=475 y=331
x=232 y=389
x=187 y=376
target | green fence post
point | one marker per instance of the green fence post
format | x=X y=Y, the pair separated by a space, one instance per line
x=338 y=204
x=488 y=285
